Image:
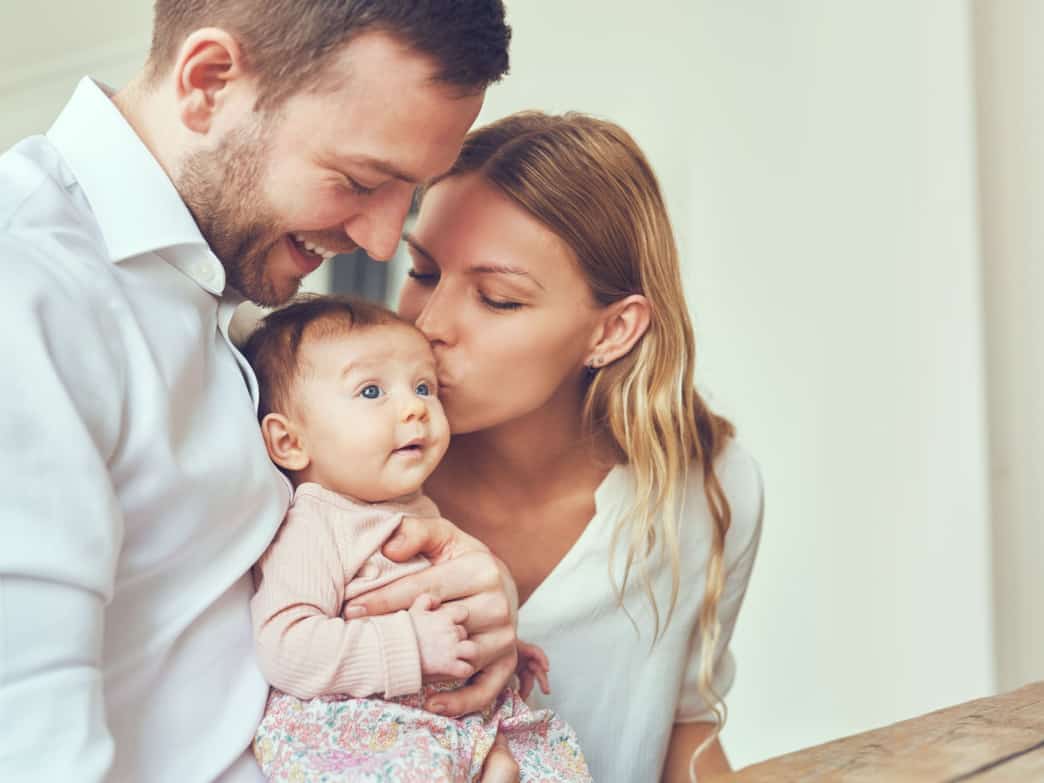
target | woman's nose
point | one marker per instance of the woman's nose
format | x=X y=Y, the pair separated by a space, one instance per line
x=435 y=319
x=414 y=409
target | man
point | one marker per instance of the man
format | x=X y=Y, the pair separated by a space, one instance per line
x=262 y=137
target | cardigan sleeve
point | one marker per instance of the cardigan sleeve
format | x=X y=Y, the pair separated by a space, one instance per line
x=305 y=648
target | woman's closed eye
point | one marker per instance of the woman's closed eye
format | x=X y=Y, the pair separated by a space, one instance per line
x=495 y=303
x=423 y=277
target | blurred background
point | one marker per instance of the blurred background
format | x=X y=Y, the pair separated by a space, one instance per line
x=858 y=192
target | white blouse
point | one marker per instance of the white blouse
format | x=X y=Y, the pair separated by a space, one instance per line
x=621 y=693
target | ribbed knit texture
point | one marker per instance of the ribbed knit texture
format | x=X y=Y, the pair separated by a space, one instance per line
x=327 y=552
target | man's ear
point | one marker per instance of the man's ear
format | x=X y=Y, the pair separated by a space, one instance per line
x=622 y=325
x=284 y=445
x=208 y=62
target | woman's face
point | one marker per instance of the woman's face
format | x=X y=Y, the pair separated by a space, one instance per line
x=503 y=303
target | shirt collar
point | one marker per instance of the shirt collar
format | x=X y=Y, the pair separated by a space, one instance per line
x=137 y=207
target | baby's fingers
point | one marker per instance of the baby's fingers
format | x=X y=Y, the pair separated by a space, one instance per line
x=456 y=612
x=525 y=683
x=460 y=670
x=467 y=650
x=535 y=654
x=541 y=674
x=423 y=603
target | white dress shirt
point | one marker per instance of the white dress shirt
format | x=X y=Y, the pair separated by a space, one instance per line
x=135 y=490
x=621 y=693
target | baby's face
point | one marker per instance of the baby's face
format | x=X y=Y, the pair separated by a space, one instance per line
x=368 y=414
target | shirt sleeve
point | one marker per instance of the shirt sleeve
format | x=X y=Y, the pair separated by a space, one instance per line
x=60 y=523
x=692 y=705
x=305 y=648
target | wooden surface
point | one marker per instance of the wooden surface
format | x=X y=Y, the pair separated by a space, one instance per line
x=1000 y=738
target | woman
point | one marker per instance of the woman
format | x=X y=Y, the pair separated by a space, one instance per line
x=546 y=277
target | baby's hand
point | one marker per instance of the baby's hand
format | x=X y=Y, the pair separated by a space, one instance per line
x=532 y=663
x=445 y=650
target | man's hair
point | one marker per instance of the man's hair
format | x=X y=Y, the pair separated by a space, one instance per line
x=287 y=43
x=273 y=349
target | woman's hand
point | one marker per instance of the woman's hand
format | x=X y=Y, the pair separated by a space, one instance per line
x=464 y=573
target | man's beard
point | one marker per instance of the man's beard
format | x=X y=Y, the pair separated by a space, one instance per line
x=222 y=189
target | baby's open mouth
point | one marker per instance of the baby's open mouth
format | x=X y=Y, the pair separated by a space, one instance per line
x=414 y=446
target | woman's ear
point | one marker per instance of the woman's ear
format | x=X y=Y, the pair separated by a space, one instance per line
x=208 y=62
x=623 y=324
x=283 y=443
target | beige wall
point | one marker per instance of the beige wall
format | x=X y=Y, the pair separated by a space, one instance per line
x=46 y=47
x=1011 y=169
x=819 y=159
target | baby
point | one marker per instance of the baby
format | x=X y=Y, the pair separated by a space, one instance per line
x=350 y=411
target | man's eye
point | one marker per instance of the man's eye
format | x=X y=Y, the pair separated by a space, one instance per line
x=359 y=189
x=423 y=389
x=371 y=392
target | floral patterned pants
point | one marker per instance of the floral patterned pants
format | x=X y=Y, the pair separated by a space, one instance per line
x=332 y=740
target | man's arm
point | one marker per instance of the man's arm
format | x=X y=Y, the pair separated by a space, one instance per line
x=465 y=572
x=60 y=523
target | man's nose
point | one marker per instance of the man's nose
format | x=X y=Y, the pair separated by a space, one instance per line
x=377 y=224
x=414 y=409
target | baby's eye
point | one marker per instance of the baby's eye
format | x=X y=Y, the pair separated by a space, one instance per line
x=371 y=391
x=423 y=389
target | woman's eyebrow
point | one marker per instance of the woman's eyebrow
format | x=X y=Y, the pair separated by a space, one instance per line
x=503 y=269
x=477 y=269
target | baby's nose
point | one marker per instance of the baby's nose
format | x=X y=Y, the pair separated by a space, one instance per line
x=414 y=408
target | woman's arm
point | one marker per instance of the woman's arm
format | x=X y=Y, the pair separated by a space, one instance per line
x=685 y=738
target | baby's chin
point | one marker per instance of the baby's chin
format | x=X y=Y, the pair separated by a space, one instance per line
x=386 y=493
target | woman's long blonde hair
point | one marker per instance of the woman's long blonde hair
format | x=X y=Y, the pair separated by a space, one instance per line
x=587 y=180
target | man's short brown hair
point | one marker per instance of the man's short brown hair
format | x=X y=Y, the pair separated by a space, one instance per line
x=273 y=349
x=287 y=43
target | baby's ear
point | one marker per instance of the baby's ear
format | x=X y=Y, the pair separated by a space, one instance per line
x=284 y=445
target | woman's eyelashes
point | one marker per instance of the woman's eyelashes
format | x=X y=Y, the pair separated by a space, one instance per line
x=422 y=277
x=499 y=304
x=431 y=278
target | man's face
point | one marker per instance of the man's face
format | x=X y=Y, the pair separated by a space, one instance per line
x=327 y=172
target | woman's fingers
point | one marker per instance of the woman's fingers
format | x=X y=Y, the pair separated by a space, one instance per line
x=484 y=688
x=494 y=645
x=471 y=574
x=436 y=539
